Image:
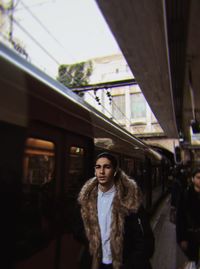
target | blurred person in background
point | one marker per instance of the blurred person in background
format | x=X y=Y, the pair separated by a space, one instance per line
x=180 y=183
x=188 y=218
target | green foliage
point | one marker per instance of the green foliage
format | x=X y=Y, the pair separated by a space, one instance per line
x=75 y=75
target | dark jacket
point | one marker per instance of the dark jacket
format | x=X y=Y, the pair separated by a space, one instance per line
x=138 y=241
x=130 y=228
x=188 y=222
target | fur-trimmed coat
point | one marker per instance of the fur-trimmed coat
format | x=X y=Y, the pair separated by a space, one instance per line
x=126 y=239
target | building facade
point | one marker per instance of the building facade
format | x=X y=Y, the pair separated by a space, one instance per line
x=125 y=105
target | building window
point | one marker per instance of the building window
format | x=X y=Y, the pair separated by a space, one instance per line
x=118 y=107
x=138 y=107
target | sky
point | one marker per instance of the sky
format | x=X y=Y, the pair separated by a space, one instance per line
x=57 y=32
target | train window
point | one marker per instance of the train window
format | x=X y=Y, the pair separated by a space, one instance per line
x=76 y=170
x=128 y=166
x=73 y=182
x=76 y=162
x=36 y=216
x=39 y=161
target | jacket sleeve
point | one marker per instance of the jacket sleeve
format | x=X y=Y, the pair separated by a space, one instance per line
x=138 y=241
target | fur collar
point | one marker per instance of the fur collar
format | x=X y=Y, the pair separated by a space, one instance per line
x=127 y=200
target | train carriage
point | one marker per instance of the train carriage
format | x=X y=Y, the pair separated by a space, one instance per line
x=49 y=138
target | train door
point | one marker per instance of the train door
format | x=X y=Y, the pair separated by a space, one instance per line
x=11 y=154
x=78 y=155
x=128 y=166
x=36 y=230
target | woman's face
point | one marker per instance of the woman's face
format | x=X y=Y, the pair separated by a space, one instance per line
x=196 y=182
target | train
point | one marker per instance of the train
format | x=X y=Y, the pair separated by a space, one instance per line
x=49 y=139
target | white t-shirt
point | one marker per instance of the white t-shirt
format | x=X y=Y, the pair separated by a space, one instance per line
x=104 y=206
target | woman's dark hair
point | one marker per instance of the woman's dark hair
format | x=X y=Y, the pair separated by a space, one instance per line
x=195 y=171
x=110 y=157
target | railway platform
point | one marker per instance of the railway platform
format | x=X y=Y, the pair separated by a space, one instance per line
x=167 y=253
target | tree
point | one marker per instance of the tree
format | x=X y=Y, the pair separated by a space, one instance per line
x=75 y=75
x=7 y=9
